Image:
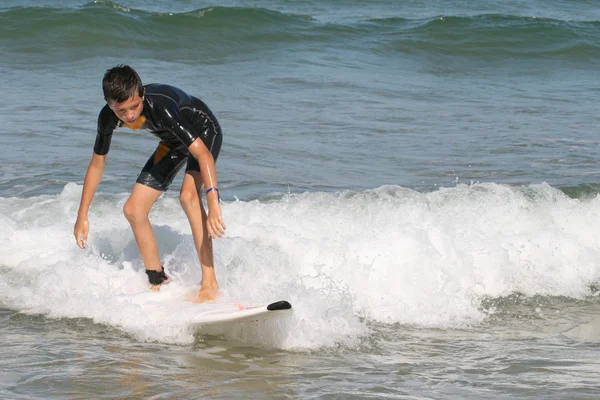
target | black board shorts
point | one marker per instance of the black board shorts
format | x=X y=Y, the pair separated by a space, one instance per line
x=164 y=164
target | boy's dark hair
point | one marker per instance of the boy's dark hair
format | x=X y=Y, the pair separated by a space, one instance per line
x=120 y=84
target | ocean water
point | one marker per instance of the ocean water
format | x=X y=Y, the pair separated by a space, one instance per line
x=419 y=179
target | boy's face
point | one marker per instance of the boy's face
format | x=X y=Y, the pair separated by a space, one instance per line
x=130 y=110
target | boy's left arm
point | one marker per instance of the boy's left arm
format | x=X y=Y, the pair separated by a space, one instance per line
x=216 y=226
x=173 y=121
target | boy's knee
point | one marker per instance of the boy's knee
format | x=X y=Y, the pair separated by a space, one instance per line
x=188 y=199
x=133 y=213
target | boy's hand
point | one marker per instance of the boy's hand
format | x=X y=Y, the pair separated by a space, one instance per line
x=82 y=227
x=216 y=226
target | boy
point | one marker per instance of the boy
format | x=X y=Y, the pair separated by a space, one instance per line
x=189 y=134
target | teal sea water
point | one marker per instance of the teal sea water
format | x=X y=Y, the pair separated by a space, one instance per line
x=420 y=179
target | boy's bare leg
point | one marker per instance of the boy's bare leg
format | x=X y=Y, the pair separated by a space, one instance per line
x=136 y=211
x=193 y=208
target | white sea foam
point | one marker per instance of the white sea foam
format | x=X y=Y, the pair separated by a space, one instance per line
x=389 y=255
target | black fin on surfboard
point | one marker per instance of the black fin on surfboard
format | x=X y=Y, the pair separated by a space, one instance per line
x=279 y=305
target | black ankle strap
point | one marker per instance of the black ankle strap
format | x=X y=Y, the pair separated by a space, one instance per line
x=156 y=277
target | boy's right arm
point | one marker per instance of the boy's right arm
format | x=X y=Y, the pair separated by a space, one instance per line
x=90 y=184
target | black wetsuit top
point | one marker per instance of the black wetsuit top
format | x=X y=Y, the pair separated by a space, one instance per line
x=172 y=115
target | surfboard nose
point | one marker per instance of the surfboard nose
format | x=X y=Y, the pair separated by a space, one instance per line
x=279 y=305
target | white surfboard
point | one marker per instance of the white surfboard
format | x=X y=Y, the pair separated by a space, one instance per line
x=238 y=312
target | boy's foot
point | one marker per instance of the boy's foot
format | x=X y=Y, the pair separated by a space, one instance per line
x=207 y=294
x=156 y=288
